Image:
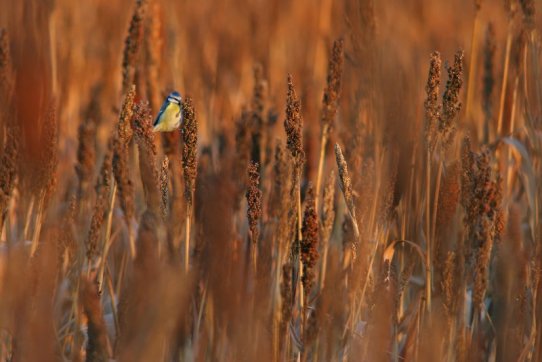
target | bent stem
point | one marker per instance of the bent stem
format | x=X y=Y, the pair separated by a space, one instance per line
x=323 y=143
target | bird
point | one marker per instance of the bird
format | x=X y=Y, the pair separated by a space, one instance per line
x=170 y=116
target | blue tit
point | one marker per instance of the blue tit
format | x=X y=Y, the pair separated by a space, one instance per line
x=170 y=115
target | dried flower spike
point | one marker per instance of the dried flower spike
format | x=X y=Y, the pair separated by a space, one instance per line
x=451 y=105
x=121 y=168
x=294 y=126
x=332 y=91
x=132 y=44
x=432 y=105
x=190 y=148
x=254 y=200
x=345 y=183
x=309 y=243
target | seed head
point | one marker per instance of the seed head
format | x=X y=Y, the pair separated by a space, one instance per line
x=254 y=200
x=190 y=149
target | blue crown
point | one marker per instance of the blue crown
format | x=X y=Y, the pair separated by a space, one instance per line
x=174 y=97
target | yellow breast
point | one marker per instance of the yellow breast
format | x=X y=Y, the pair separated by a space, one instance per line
x=170 y=118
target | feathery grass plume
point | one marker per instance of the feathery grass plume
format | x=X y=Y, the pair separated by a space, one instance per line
x=345 y=182
x=488 y=78
x=254 y=200
x=432 y=105
x=86 y=156
x=164 y=186
x=328 y=212
x=190 y=148
x=103 y=188
x=293 y=125
x=309 y=243
x=8 y=169
x=98 y=345
x=147 y=155
x=481 y=197
x=451 y=105
x=258 y=108
x=332 y=92
x=132 y=44
x=121 y=168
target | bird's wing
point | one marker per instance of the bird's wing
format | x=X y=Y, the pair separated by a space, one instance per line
x=162 y=109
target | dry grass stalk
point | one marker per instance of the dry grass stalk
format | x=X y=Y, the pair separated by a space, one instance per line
x=286 y=294
x=328 y=220
x=309 y=244
x=132 y=44
x=103 y=189
x=190 y=148
x=293 y=125
x=488 y=79
x=86 y=156
x=189 y=160
x=164 y=186
x=98 y=348
x=254 y=201
x=481 y=198
x=147 y=156
x=451 y=105
x=121 y=162
x=330 y=104
x=345 y=182
x=432 y=105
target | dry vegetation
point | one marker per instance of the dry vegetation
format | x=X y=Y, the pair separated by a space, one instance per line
x=354 y=180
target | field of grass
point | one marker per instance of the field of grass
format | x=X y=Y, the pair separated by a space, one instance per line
x=354 y=180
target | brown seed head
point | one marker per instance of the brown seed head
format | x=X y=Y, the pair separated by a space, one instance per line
x=328 y=207
x=332 y=92
x=103 y=188
x=451 y=105
x=86 y=155
x=481 y=198
x=345 y=181
x=132 y=44
x=432 y=105
x=144 y=136
x=309 y=243
x=293 y=124
x=254 y=200
x=190 y=148
x=121 y=161
x=164 y=186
